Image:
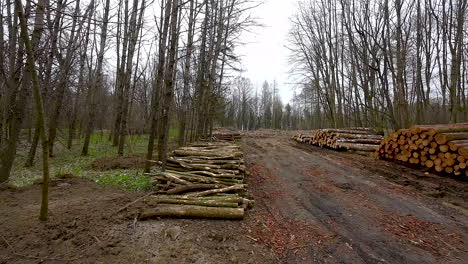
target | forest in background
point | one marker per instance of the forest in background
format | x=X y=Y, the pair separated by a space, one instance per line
x=71 y=67
x=365 y=63
x=380 y=63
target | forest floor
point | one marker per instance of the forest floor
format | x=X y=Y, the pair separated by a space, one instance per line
x=312 y=205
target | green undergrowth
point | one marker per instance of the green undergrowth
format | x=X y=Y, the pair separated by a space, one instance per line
x=132 y=180
x=70 y=163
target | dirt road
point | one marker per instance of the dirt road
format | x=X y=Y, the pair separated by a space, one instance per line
x=319 y=206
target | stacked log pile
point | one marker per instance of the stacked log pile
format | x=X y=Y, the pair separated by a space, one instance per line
x=443 y=148
x=357 y=139
x=204 y=180
x=227 y=136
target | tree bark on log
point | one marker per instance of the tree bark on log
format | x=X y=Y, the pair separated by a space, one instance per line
x=208 y=203
x=360 y=147
x=364 y=141
x=350 y=131
x=192 y=187
x=358 y=136
x=442 y=138
x=222 y=190
x=192 y=211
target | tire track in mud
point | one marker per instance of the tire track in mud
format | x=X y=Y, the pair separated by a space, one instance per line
x=355 y=219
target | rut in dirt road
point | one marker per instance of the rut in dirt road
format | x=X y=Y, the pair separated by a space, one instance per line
x=313 y=205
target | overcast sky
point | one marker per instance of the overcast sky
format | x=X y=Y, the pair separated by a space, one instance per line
x=264 y=57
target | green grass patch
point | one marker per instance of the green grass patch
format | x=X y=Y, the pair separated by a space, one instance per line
x=70 y=162
x=132 y=180
x=174 y=133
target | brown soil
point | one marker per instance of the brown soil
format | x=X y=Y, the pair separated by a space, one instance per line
x=85 y=228
x=112 y=163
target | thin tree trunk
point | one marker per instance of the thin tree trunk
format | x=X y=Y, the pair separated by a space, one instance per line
x=97 y=81
x=18 y=97
x=120 y=82
x=187 y=75
x=169 y=85
x=37 y=95
x=66 y=66
x=133 y=35
x=159 y=83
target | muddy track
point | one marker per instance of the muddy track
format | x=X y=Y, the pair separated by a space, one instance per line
x=316 y=205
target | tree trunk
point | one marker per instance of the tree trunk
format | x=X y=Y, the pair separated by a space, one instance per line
x=169 y=85
x=39 y=20
x=97 y=82
x=159 y=83
x=66 y=66
x=187 y=75
x=134 y=29
x=193 y=211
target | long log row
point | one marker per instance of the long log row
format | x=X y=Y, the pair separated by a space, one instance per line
x=357 y=139
x=203 y=180
x=443 y=148
x=227 y=136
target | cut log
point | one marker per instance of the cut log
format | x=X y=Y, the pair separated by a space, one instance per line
x=222 y=190
x=194 y=187
x=192 y=211
x=463 y=150
x=442 y=138
x=358 y=136
x=448 y=129
x=194 y=160
x=218 y=175
x=363 y=141
x=207 y=155
x=443 y=148
x=208 y=203
x=429 y=163
x=174 y=177
x=350 y=131
x=360 y=147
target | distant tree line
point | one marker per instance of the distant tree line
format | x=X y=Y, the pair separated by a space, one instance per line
x=250 y=108
x=380 y=63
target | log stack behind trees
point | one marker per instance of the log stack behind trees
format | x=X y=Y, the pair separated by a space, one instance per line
x=443 y=148
x=356 y=139
x=227 y=136
x=203 y=180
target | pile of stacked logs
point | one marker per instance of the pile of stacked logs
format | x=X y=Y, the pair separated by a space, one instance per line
x=227 y=136
x=443 y=148
x=204 y=180
x=357 y=139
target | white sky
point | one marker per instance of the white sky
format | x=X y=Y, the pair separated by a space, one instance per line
x=264 y=57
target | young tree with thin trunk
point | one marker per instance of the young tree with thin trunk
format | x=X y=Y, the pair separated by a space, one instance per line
x=168 y=90
x=159 y=82
x=97 y=82
x=39 y=20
